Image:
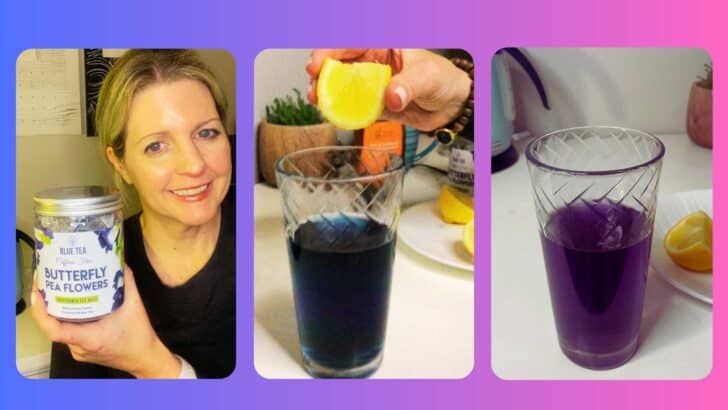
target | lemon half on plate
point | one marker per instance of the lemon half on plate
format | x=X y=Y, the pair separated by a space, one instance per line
x=469 y=236
x=670 y=210
x=689 y=243
x=351 y=96
x=456 y=206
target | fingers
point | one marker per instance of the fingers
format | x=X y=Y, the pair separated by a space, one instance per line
x=130 y=289
x=86 y=353
x=312 y=93
x=405 y=87
x=319 y=55
x=421 y=80
x=54 y=329
x=316 y=61
x=78 y=334
x=49 y=325
x=132 y=312
x=77 y=353
x=434 y=84
x=129 y=282
x=398 y=95
x=77 y=356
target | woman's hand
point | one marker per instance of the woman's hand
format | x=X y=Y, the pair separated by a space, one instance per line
x=123 y=340
x=426 y=92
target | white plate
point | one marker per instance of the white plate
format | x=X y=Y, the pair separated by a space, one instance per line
x=670 y=210
x=422 y=229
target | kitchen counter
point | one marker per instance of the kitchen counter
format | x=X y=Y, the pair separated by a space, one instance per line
x=676 y=339
x=33 y=348
x=430 y=325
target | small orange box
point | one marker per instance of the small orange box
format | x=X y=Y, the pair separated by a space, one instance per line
x=385 y=135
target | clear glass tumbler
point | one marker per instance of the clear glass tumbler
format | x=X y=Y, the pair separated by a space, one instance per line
x=595 y=191
x=341 y=206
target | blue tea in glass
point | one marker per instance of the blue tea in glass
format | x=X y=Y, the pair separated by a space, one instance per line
x=341 y=206
x=342 y=269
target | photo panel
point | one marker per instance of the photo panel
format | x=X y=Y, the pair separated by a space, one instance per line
x=602 y=175
x=364 y=218
x=125 y=213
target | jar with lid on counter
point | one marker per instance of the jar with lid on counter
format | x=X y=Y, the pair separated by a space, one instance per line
x=79 y=251
x=461 y=171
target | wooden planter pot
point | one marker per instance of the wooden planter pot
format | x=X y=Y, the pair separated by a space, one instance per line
x=275 y=141
x=700 y=116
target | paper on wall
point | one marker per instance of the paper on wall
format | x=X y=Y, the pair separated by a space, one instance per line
x=49 y=92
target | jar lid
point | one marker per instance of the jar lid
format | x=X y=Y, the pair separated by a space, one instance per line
x=77 y=201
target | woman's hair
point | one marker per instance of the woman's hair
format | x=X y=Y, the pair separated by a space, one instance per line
x=131 y=73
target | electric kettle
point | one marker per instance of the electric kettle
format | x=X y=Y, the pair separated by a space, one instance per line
x=503 y=107
x=20 y=237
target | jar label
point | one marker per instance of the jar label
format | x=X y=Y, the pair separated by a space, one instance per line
x=460 y=170
x=80 y=274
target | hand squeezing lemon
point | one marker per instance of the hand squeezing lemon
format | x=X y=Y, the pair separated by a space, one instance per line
x=351 y=96
x=689 y=243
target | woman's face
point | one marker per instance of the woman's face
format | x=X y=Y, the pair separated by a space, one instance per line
x=177 y=154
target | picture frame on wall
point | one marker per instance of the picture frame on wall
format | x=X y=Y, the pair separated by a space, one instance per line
x=96 y=65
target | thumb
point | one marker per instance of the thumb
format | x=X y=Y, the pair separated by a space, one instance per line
x=130 y=288
x=412 y=83
x=399 y=93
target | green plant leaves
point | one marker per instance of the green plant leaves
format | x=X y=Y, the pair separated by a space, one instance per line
x=707 y=81
x=290 y=111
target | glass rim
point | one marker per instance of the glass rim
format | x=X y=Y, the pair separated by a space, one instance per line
x=655 y=158
x=398 y=169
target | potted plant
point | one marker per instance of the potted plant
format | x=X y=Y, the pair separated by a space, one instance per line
x=700 y=110
x=290 y=125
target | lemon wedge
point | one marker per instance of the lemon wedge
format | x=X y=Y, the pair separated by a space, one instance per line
x=351 y=96
x=689 y=243
x=469 y=236
x=456 y=206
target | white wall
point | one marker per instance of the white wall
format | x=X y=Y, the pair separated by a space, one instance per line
x=222 y=65
x=47 y=161
x=277 y=73
x=638 y=88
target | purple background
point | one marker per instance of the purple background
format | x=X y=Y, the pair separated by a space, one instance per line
x=244 y=29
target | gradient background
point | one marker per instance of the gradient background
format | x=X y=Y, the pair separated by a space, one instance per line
x=244 y=29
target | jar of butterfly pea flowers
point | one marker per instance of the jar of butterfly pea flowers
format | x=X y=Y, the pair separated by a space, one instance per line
x=79 y=251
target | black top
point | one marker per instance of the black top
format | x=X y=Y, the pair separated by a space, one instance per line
x=195 y=320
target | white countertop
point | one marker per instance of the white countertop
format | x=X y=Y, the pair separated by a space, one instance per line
x=676 y=340
x=33 y=349
x=430 y=325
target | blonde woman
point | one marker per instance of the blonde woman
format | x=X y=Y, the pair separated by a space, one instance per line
x=161 y=122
